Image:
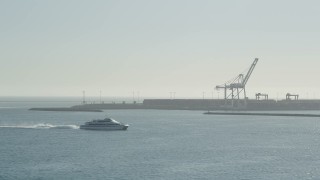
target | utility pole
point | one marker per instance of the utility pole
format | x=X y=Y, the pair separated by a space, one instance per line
x=83 y=97
x=172 y=95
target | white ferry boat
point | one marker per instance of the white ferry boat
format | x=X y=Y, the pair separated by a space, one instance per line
x=104 y=124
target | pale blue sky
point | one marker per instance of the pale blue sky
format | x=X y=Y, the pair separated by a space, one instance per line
x=61 y=47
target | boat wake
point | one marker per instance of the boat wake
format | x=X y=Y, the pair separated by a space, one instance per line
x=42 y=126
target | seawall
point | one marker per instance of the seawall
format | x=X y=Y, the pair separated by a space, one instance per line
x=200 y=104
x=212 y=104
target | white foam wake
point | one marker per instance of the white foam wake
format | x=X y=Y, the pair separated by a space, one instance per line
x=42 y=126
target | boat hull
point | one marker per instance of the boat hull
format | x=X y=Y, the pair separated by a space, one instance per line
x=104 y=128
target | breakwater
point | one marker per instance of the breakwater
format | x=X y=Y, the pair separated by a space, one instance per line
x=66 y=109
x=261 y=114
x=212 y=104
x=221 y=104
x=200 y=104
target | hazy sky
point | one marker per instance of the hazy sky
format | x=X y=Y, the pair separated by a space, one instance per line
x=61 y=47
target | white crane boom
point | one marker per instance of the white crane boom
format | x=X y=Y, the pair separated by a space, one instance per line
x=245 y=80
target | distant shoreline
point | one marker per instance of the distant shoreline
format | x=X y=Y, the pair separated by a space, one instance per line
x=66 y=109
x=194 y=104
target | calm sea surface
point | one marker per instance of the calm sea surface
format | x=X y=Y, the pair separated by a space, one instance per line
x=159 y=144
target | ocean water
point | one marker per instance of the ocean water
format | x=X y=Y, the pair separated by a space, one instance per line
x=159 y=144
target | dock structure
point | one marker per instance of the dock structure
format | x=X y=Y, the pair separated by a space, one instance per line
x=235 y=99
x=261 y=114
x=210 y=104
x=199 y=104
x=218 y=104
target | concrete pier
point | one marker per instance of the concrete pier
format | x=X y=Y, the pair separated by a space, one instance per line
x=261 y=114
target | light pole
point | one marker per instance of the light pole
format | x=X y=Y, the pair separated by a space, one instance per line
x=83 y=97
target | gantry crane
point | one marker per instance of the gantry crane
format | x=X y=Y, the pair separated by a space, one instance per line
x=288 y=95
x=266 y=96
x=233 y=89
